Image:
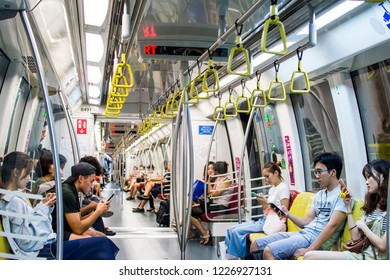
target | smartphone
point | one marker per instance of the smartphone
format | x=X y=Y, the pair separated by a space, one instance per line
x=109 y=198
x=254 y=194
x=277 y=210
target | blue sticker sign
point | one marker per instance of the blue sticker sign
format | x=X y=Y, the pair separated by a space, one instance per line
x=205 y=129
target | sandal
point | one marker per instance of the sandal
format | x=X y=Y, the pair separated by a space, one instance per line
x=205 y=239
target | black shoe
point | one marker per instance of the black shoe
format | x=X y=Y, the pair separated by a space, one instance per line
x=109 y=232
x=138 y=210
x=143 y=197
x=129 y=198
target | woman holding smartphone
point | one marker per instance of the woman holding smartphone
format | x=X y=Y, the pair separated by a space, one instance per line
x=279 y=194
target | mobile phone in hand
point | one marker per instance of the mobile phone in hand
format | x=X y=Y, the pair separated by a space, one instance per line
x=109 y=198
x=254 y=194
x=277 y=210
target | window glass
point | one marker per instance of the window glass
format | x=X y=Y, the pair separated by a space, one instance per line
x=317 y=127
x=372 y=86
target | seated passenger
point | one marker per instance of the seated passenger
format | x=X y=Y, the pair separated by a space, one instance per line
x=153 y=188
x=373 y=224
x=77 y=224
x=136 y=182
x=151 y=177
x=15 y=173
x=323 y=223
x=127 y=181
x=218 y=200
x=90 y=201
x=279 y=194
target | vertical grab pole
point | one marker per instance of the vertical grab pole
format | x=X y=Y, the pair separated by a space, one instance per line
x=175 y=139
x=240 y=171
x=188 y=159
x=72 y=132
x=52 y=136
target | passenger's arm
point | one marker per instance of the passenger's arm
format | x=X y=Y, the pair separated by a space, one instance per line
x=285 y=202
x=220 y=189
x=300 y=222
x=337 y=218
x=78 y=225
x=378 y=242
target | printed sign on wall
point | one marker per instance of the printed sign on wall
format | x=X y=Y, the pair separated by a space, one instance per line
x=81 y=126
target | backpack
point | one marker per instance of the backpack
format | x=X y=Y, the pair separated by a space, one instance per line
x=162 y=217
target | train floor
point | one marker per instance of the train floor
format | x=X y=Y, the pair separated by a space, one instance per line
x=139 y=237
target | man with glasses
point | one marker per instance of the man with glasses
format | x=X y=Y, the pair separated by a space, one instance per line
x=323 y=223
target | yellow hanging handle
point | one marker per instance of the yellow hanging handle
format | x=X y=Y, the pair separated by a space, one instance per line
x=219 y=111
x=244 y=99
x=191 y=99
x=273 y=20
x=230 y=103
x=118 y=75
x=275 y=83
x=239 y=48
x=210 y=71
x=258 y=94
x=299 y=72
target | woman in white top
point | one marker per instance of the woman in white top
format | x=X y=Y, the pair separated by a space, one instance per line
x=279 y=194
x=216 y=192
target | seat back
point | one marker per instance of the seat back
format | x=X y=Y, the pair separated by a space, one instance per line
x=300 y=208
x=357 y=213
x=4 y=246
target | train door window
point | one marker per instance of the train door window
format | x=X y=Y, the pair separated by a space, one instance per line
x=17 y=116
x=4 y=62
x=317 y=126
x=372 y=86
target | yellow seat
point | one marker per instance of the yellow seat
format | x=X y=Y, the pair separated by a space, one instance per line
x=357 y=213
x=299 y=208
x=4 y=246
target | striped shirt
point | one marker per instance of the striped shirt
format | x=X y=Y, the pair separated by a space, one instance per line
x=374 y=215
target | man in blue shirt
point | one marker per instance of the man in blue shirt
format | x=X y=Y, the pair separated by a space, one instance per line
x=323 y=223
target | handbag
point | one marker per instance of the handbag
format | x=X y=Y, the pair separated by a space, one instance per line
x=357 y=246
x=273 y=223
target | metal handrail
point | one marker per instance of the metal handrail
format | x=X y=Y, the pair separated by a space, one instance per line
x=52 y=134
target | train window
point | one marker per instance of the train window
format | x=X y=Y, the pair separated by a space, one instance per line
x=317 y=126
x=4 y=62
x=372 y=86
x=20 y=104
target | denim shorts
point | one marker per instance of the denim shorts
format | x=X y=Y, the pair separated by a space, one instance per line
x=283 y=244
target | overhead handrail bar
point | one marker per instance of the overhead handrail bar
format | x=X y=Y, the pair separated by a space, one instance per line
x=273 y=20
x=239 y=48
x=299 y=71
x=257 y=93
x=276 y=82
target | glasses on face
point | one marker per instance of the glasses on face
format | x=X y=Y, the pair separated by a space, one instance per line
x=318 y=172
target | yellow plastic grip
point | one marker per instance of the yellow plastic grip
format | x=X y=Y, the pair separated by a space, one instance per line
x=210 y=71
x=239 y=48
x=246 y=99
x=306 y=77
x=192 y=97
x=219 y=110
x=118 y=74
x=274 y=84
x=256 y=94
x=227 y=104
x=273 y=20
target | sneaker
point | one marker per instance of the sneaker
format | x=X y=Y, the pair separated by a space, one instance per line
x=138 y=210
x=107 y=214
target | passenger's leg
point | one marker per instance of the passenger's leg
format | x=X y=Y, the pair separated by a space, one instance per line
x=324 y=255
